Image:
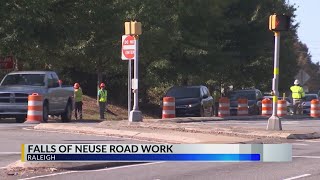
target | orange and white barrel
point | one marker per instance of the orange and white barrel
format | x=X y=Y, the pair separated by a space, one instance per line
x=169 y=107
x=224 y=107
x=242 y=107
x=315 y=108
x=35 y=108
x=266 y=107
x=282 y=108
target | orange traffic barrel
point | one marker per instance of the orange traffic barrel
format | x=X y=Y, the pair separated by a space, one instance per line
x=242 y=107
x=224 y=107
x=266 y=107
x=35 y=108
x=315 y=108
x=169 y=107
x=282 y=108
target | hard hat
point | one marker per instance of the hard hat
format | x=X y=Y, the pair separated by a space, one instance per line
x=76 y=85
x=296 y=82
x=102 y=85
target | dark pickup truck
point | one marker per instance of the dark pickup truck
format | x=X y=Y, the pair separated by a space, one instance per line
x=15 y=88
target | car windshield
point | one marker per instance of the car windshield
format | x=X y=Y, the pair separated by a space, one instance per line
x=184 y=92
x=234 y=96
x=311 y=97
x=24 y=80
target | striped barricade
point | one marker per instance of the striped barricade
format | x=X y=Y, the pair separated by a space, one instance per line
x=35 y=108
x=168 y=108
x=243 y=109
x=224 y=107
x=266 y=107
x=315 y=108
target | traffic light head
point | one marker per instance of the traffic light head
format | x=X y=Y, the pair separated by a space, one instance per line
x=279 y=22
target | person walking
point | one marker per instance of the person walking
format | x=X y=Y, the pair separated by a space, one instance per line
x=78 y=101
x=216 y=96
x=102 y=100
x=297 y=96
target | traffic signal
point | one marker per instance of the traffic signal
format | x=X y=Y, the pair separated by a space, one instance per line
x=279 y=22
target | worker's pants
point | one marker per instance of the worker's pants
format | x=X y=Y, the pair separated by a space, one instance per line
x=297 y=106
x=78 y=109
x=216 y=108
x=102 y=109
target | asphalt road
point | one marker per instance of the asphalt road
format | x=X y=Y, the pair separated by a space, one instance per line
x=305 y=164
x=12 y=135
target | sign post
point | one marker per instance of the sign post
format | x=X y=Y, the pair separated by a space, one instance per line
x=130 y=51
x=277 y=23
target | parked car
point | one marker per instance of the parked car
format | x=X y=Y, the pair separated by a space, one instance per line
x=17 y=86
x=192 y=100
x=307 y=102
x=254 y=97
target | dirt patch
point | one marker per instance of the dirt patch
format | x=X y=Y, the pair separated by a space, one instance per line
x=114 y=112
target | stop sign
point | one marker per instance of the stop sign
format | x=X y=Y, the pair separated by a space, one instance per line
x=128 y=47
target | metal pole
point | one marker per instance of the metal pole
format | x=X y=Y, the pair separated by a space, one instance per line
x=129 y=87
x=135 y=105
x=135 y=114
x=274 y=123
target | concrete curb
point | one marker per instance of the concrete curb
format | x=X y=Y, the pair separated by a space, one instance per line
x=206 y=119
x=167 y=138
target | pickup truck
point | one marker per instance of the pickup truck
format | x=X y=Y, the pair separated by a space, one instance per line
x=15 y=88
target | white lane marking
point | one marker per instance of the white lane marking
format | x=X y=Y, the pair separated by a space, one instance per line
x=8 y=153
x=300 y=144
x=310 y=157
x=48 y=175
x=297 y=177
x=97 y=170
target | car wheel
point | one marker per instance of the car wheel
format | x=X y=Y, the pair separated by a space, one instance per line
x=45 y=112
x=67 y=115
x=20 y=119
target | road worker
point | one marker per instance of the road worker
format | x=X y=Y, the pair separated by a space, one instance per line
x=102 y=99
x=216 y=96
x=297 y=96
x=78 y=101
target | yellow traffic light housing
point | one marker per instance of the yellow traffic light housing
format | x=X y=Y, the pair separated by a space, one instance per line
x=132 y=28
x=279 y=22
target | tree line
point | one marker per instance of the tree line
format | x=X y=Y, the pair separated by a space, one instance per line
x=184 y=42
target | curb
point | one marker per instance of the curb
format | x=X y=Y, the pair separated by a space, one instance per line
x=165 y=138
x=247 y=118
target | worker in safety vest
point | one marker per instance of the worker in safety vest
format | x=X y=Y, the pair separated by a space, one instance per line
x=216 y=96
x=102 y=99
x=77 y=100
x=297 y=96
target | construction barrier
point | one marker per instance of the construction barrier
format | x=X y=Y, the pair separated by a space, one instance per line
x=169 y=107
x=315 y=108
x=282 y=108
x=266 y=107
x=35 y=108
x=224 y=107
x=243 y=109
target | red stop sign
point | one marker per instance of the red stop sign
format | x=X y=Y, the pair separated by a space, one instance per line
x=128 y=47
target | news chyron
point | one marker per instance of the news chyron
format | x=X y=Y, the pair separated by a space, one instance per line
x=156 y=152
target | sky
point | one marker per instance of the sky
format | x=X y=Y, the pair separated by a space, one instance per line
x=309 y=25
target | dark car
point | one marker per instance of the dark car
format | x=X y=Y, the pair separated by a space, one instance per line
x=307 y=102
x=192 y=100
x=254 y=97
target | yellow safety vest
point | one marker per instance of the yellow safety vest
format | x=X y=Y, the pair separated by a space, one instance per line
x=78 y=95
x=103 y=95
x=297 y=92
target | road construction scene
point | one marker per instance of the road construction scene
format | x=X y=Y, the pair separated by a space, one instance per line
x=159 y=90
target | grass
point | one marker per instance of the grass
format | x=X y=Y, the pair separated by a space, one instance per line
x=114 y=112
